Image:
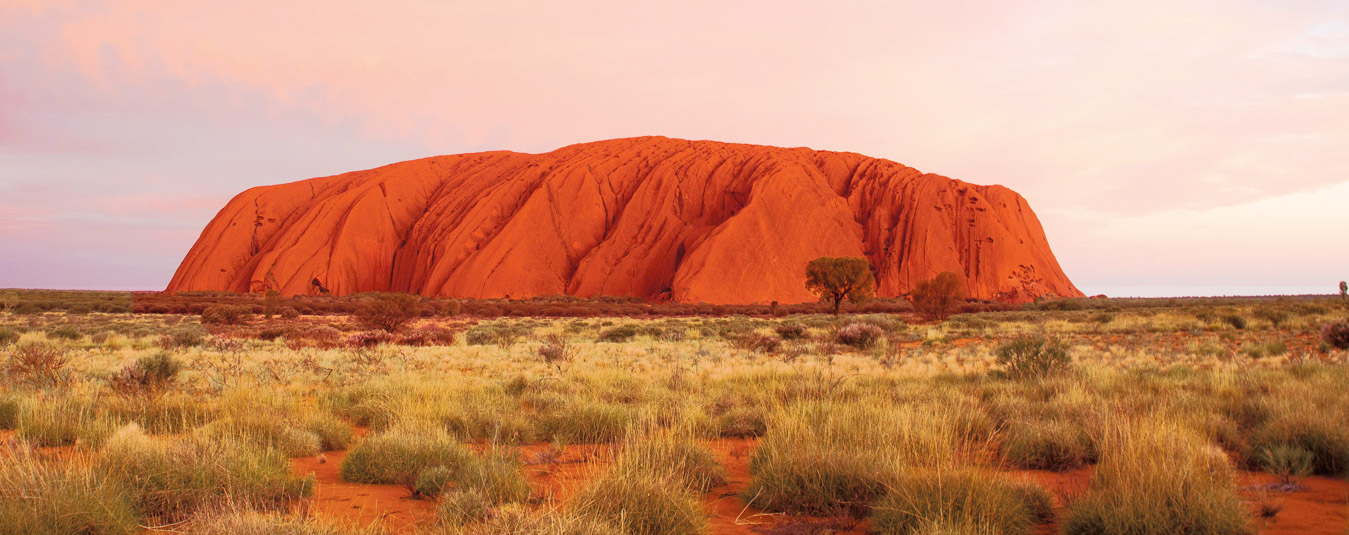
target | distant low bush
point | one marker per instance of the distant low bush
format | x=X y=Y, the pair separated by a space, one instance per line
x=859 y=335
x=226 y=315
x=1033 y=356
x=619 y=334
x=65 y=333
x=1336 y=334
x=791 y=331
x=148 y=375
x=388 y=312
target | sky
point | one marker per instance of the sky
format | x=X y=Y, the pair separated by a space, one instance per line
x=1170 y=148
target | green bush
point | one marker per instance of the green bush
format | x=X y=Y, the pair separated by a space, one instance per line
x=959 y=502
x=1033 y=356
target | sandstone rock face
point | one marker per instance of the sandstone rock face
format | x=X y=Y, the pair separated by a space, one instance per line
x=652 y=217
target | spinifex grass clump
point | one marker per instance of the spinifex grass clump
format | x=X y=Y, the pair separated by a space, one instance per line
x=516 y=519
x=683 y=461
x=1321 y=432
x=171 y=479
x=1047 y=445
x=829 y=458
x=240 y=521
x=39 y=497
x=640 y=502
x=962 y=501
x=1158 y=477
x=400 y=454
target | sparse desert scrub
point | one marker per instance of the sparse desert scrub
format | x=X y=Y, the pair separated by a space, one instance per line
x=859 y=335
x=1158 y=477
x=1032 y=356
x=39 y=497
x=400 y=454
x=1321 y=433
x=961 y=501
x=169 y=479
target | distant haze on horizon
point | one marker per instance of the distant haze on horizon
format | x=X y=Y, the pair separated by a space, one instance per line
x=1169 y=148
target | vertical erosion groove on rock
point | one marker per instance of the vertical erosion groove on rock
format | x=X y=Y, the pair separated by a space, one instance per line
x=651 y=217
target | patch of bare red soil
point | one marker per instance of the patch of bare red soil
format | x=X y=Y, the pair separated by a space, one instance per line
x=387 y=507
x=1319 y=507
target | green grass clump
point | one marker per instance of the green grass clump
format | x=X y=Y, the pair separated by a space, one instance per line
x=1047 y=445
x=496 y=475
x=44 y=498
x=642 y=503
x=171 y=479
x=964 y=501
x=400 y=454
x=1158 y=477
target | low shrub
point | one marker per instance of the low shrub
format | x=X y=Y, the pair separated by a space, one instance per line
x=1030 y=356
x=184 y=337
x=148 y=375
x=1336 y=334
x=388 y=312
x=500 y=334
x=791 y=331
x=226 y=315
x=859 y=335
x=69 y=334
x=1235 y=321
x=759 y=343
x=369 y=339
x=1286 y=461
x=959 y=502
x=555 y=350
x=38 y=364
x=618 y=335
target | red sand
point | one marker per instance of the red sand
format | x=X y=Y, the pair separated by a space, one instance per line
x=651 y=217
x=388 y=507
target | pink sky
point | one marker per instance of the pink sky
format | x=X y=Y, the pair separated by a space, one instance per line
x=1170 y=148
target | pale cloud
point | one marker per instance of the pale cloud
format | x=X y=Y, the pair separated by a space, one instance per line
x=1124 y=111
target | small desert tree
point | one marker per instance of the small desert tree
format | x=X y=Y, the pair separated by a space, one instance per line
x=840 y=278
x=938 y=297
x=1344 y=290
x=388 y=312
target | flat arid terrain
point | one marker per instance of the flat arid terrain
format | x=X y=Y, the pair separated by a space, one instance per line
x=219 y=413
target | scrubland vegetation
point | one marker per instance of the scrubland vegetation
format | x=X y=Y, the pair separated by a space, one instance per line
x=888 y=423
